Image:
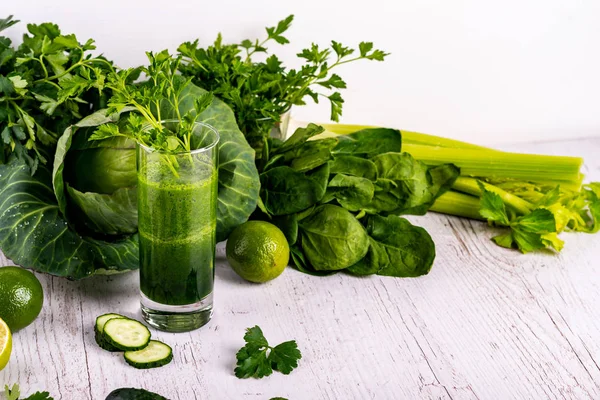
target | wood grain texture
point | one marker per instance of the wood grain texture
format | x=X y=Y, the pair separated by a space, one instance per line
x=486 y=323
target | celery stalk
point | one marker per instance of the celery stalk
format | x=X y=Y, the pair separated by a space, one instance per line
x=497 y=164
x=471 y=186
x=459 y=204
x=408 y=137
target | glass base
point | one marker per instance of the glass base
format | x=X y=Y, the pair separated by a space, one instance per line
x=177 y=318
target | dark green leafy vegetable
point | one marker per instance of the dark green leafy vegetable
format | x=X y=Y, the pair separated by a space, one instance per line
x=48 y=83
x=355 y=166
x=260 y=92
x=133 y=394
x=289 y=226
x=302 y=264
x=333 y=239
x=311 y=155
x=397 y=248
x=287 y=191
x=350 y=223
x=369 y=143
x=257 y=359
x=351 y=192
x=34 y=233
x=413 y=185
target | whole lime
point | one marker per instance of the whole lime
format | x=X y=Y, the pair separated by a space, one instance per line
x=21 y=297
x=258 y=251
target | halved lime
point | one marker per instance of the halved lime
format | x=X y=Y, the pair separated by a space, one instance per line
x=5 y=344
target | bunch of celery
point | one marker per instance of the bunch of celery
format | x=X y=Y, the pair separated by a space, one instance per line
x=535 y=197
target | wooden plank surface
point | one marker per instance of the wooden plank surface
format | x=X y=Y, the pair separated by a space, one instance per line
x=486 y=323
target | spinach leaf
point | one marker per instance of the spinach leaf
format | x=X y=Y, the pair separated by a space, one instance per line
x=397 y=248
x=415 y=186
x=311 y=155
x=375 y=260
x=332 y=238
x=320 y=176
x=287 y=191
x=302 y=264
x=355 y=166
x=353 y=193
x=386 y=197
x=369 y=142
x=288 y=225
x=300 y=136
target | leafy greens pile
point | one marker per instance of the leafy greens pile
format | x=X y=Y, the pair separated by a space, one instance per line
x=78 y=217
x=338 y=202
x=69 y=123
x=534 y=197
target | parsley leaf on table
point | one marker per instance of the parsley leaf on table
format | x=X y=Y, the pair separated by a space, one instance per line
x=257 y=359
x=14 y=394
x=39 y=396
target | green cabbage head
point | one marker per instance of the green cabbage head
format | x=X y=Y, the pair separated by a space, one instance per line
x=95 y=181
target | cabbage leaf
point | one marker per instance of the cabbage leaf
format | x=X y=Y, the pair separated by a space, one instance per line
x=34 y=233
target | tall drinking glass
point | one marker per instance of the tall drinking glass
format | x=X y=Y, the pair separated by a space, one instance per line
x=177 y=214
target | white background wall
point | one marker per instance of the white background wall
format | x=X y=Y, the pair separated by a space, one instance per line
x=478 y=70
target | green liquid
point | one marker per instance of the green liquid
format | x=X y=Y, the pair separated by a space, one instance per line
x=177 y=223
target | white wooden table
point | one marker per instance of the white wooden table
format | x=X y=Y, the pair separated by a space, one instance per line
x=486 y=323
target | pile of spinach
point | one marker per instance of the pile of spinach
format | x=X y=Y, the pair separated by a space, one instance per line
x=339 y=199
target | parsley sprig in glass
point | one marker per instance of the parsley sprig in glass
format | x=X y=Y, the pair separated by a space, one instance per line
x=145 y=125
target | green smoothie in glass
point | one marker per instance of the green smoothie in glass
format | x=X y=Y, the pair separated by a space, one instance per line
x=177 y=214
x=177 y=233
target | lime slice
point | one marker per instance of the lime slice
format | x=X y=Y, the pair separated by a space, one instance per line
x=5 y=344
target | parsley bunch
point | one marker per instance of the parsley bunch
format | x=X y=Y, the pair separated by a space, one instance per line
x=257 y=359
x=46 y=84
x=259 y=92
x=145 y=125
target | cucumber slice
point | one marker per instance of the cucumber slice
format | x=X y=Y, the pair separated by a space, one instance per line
x=99 y=329
x=103 y=344
x=126 y=334
x=155 y=355
x=103 y=319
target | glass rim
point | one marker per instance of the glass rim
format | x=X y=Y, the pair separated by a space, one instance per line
x=195 y=151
